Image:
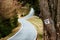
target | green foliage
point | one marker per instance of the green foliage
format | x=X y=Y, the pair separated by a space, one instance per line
x=7 y=25
x=34 y=4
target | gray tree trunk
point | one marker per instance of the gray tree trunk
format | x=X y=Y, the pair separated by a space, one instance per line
x=50 y=33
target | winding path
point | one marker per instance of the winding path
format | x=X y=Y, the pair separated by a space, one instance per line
x=27 y=31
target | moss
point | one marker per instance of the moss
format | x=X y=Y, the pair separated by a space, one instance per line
x=7 y=25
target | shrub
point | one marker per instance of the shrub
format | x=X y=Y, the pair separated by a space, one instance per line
x=7 y=25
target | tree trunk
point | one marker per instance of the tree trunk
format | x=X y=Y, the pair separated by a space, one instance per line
x=48 y=22
x=58 y=20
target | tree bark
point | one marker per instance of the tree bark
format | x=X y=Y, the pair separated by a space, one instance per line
x=58 y=20
x=48 y=22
